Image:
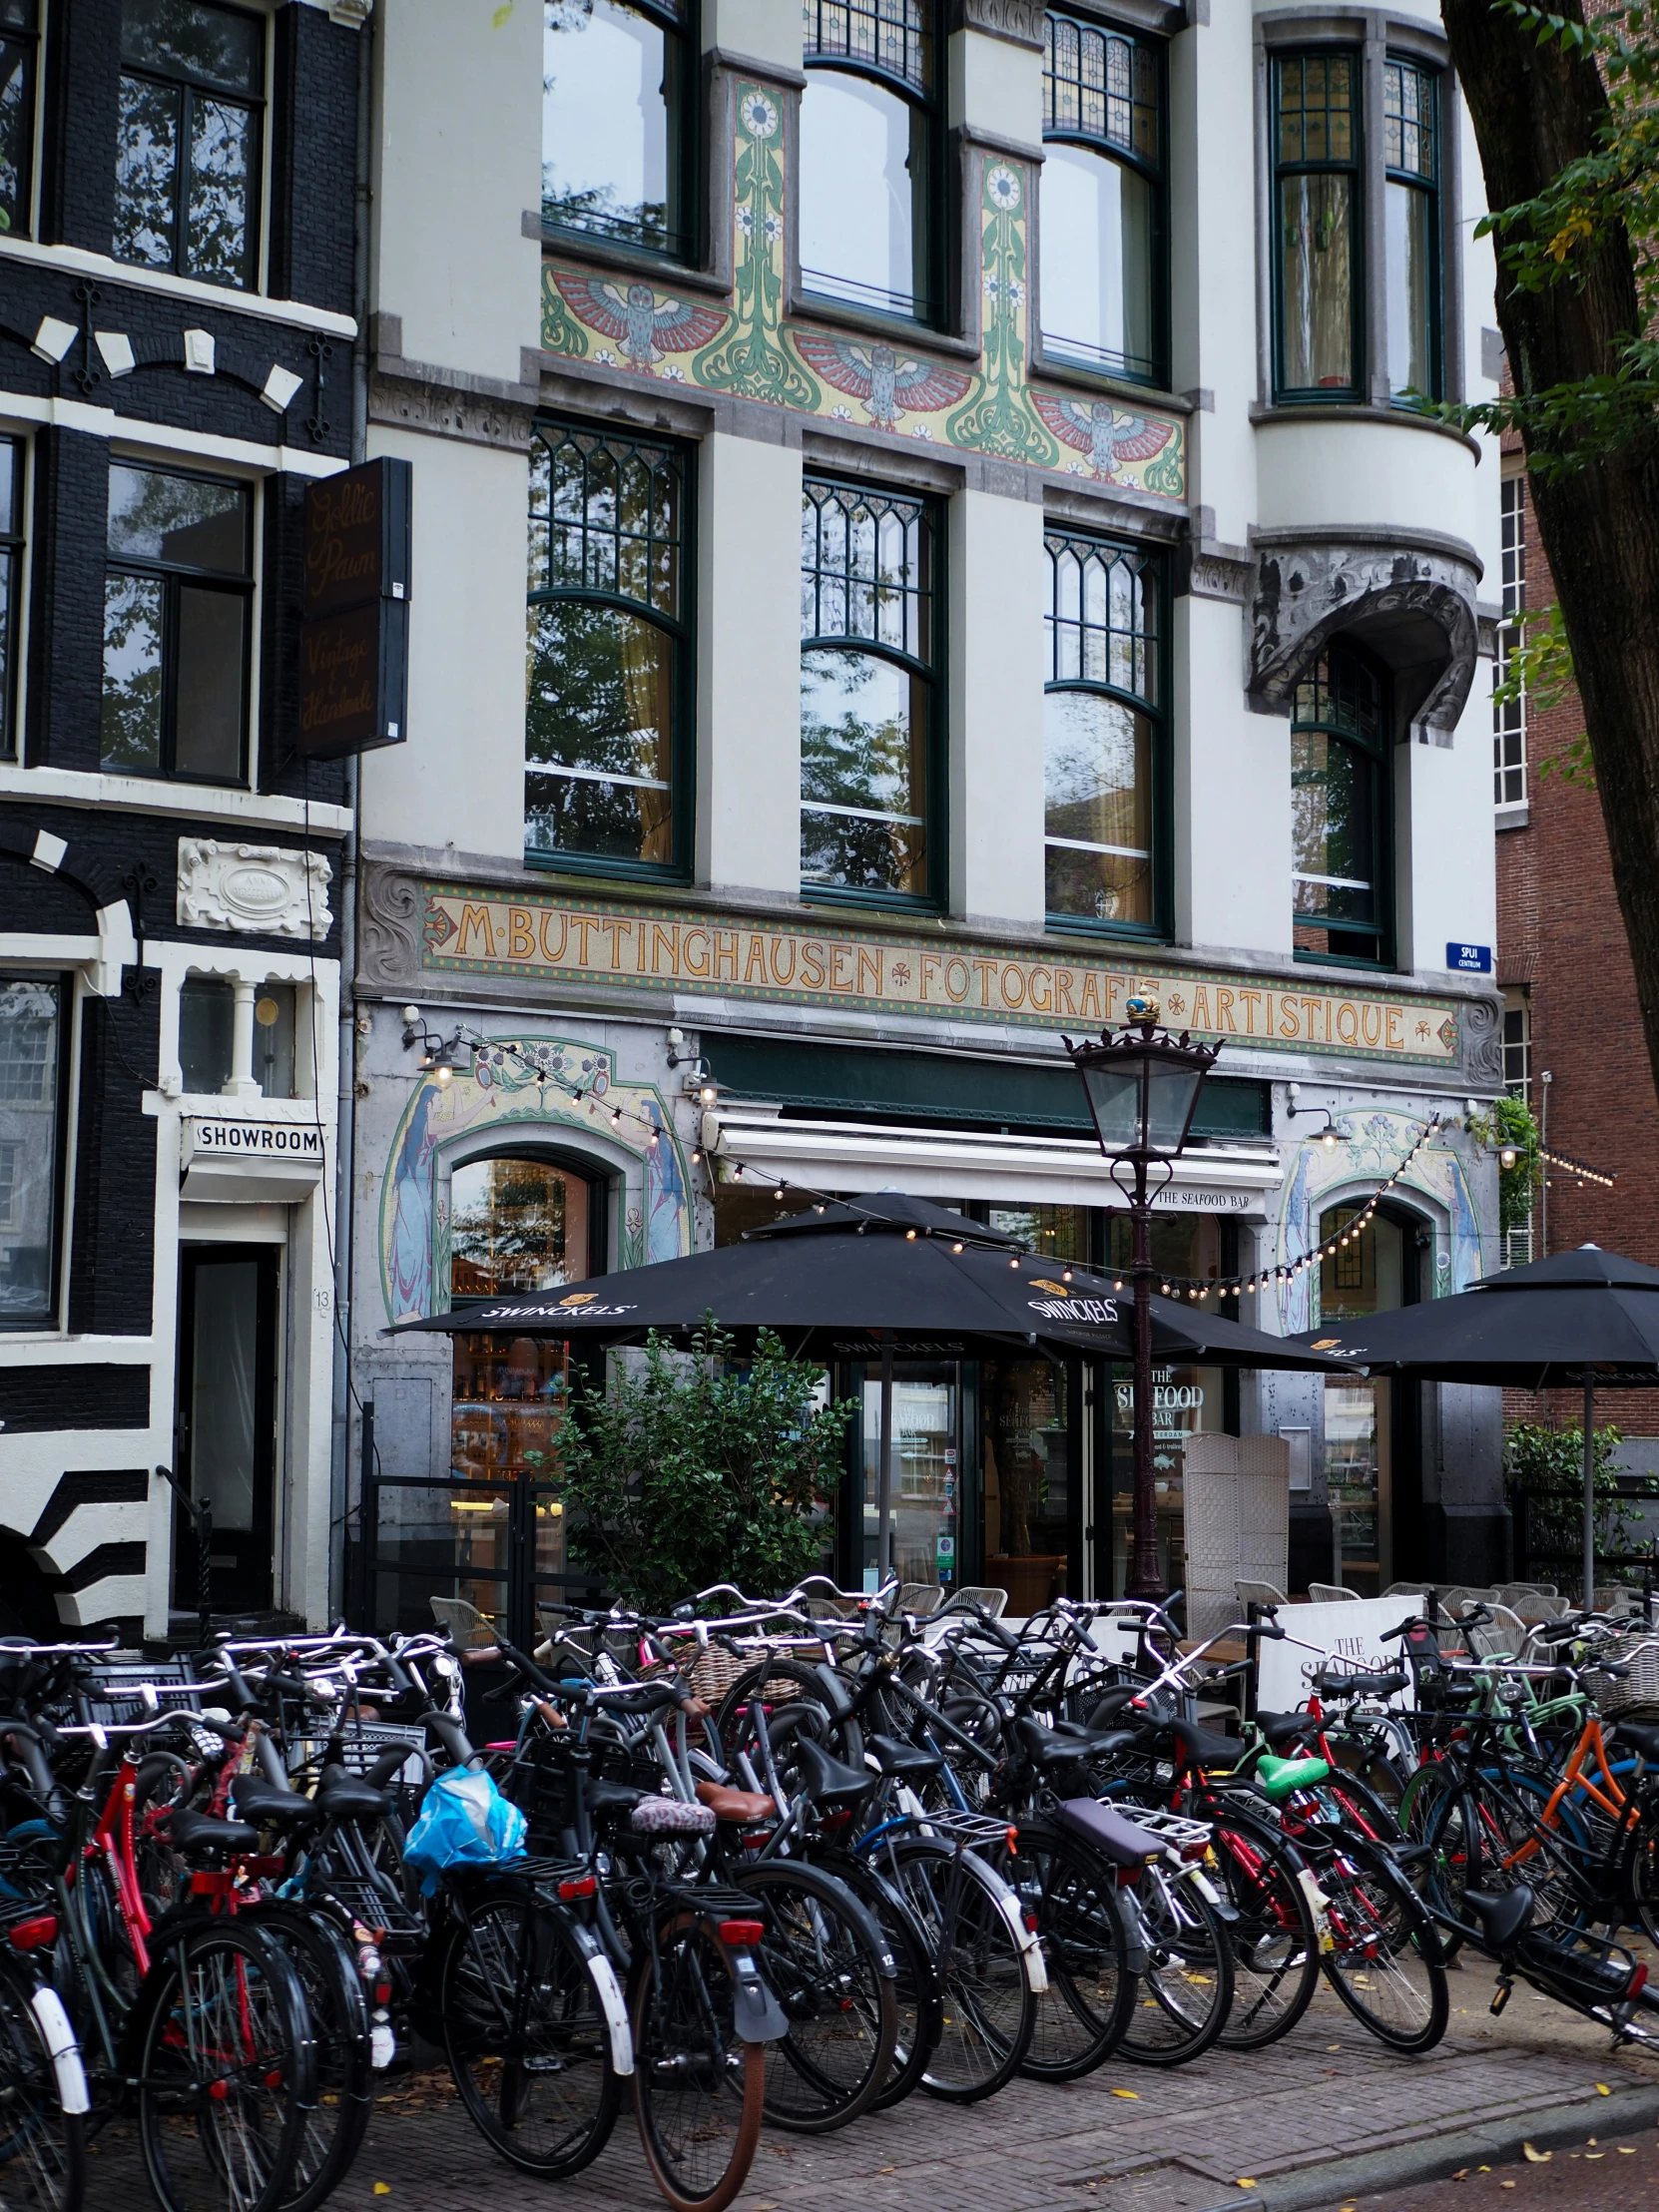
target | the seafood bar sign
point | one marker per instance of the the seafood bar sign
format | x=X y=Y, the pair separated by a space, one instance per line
x=354 y=640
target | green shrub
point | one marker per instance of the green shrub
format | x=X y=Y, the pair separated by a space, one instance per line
x=1549 y=1463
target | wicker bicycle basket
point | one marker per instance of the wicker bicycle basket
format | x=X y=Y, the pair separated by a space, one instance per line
x=1627 y=1696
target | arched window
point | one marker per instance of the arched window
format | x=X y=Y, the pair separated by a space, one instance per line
x=1340 y=810
x=1104 y=780
x=1101 y=257
x=615 y=121
x=606 y=780
x=869 y=155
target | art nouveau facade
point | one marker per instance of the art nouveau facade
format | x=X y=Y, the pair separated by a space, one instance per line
x=924 y=523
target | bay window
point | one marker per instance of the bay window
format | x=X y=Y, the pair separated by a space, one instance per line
x=1340 y=813
x=869 y=155
x=606 y=740
x=1103 y=775
x=1412 y=203
x=617 y=77
x=871 y=735
x=1101 y=255
x=1316 y=192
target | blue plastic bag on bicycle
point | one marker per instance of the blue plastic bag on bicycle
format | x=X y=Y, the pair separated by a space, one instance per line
x=464 y=1821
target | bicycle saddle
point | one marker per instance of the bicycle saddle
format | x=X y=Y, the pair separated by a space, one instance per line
x=612 y=1797
x=831 y=1780
x=741 y=1807
x=1363 y=1685
x=267 y=1804
x=1505 y=1914
x=1283 y=1728
x=348 y=1798
x=1641 y=1737
x=1119 y=1839
x=904 y=1760
x=1053 y=1747
x=1281 y=1778
x=192 y=1833
x=1201 y=1749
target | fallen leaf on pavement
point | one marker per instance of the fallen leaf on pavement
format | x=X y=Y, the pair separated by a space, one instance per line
x=1595 y=2154
x=382 y=2188
x=1133 y=2094
x=1536 y=2157
x=1462 y=2174
x=1245 y=2182
x=1504 y=2184
x=1602 y=2089
x=1627 y=2151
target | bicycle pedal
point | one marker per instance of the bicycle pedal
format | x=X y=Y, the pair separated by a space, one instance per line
x=1500 y=1996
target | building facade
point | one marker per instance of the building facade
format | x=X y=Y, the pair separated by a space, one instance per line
x=176 y=257
x=926 y=523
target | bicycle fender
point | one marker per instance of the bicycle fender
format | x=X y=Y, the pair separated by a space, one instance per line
x=1031 y=1949
x=1137 y=1951
x=756 y=2014
x=64 y=2050
x=609 y=1992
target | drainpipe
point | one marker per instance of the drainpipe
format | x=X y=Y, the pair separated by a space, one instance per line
x=344 y=1179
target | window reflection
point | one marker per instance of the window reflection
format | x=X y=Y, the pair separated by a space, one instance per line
x=863 y=747
x=1338 y=798
x=863 y=174
x=612 y=100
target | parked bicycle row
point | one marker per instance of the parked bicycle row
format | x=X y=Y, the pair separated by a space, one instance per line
x=756 y=1864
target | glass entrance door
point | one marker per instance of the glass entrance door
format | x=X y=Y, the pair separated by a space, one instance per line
x=1369 y=1275
x=1025 y=1463
x=926 y=1473
x=227 y=1420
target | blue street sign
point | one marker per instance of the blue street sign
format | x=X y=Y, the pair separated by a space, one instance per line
x=1472 y=959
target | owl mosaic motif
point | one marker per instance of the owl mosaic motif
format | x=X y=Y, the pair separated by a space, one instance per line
x=1098 y=429
x=889 y=383
x=643 y=326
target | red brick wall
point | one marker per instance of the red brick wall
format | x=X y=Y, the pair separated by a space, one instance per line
x=1560 y=935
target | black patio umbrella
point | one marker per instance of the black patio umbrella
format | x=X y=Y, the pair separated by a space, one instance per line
x=889 y=1275
x=1575 y=1320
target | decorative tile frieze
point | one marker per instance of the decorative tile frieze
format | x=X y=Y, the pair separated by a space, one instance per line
x=263 y=891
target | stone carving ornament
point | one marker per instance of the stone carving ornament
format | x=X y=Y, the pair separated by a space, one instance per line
x=263 y=891
x=1018 y=20
x=388 y=933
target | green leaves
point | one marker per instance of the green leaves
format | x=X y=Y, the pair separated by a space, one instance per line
x=692 y=1470
x=1508 y=1124
x=1548 y=1463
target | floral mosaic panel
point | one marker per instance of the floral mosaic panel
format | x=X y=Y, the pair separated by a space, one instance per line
x=752 y=352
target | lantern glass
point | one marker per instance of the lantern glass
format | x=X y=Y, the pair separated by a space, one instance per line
x=1114 y=1088
x=1171 y=1095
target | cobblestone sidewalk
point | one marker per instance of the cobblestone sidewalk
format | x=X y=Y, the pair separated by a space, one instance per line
x=1131 y=2139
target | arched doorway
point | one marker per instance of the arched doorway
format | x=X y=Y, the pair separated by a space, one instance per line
x=1371 y=1444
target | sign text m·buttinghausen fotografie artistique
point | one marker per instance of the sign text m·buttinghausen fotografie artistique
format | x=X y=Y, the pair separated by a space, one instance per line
x=549 y=937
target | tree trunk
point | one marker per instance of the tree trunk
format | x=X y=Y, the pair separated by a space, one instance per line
x=1534 y=109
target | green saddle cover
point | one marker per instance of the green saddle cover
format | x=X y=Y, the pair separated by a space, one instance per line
x=1281 y=1777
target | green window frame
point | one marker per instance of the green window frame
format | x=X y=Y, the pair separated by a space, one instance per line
x=610 y=631
x=1411 y=227
x=896 y=47
x=1318 y=218
x=190 y=140
x=1105 y=95
x=873 y=713
x=1342 y=812
x=665 y=28
x=1107 y=814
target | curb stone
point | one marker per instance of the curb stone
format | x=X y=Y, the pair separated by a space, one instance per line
x=1553 y=2128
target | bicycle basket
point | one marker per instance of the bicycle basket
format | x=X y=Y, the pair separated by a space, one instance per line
x=1623 y=1696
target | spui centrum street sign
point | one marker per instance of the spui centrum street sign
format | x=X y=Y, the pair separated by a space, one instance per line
x=1470 y=959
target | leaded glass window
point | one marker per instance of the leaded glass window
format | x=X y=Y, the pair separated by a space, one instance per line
x=188 y=139
x=1316 y=193
x=617 y=78
x=18 y=55
x=868 y=704
x=870 y=141
x=1510 y=712
x=609 y=643
x=1341 y=812
x=1102 y=733
x=1412 y=205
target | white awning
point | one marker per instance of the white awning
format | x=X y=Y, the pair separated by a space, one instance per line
x=1231 y=1179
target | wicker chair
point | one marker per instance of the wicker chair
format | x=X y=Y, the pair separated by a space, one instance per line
x=467 y=1625
x=1502 y=1637
x=1332 y=1593
x=1258 y=1593
x=920 y=1598
x=981 y=1597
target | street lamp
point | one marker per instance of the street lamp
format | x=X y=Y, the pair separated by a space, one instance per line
x=1142 y=1087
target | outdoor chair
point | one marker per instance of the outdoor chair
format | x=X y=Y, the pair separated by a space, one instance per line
x=1258 y=1593
x=983 y=1597
x=1502 y=1637
x=467 y=1625
x=920 y=1598
x=1332 y=1593
x=1508 y=1592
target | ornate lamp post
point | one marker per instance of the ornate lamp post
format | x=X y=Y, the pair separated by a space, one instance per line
x=1142 y=1087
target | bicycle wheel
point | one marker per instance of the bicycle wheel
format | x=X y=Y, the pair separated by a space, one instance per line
x=1071 y=1895
x=699 y=2092
x=969 y=1915
x=915 y=1985
x=226 y=2073
x=798 y=1702
x=1185 y=1987
x=524 y=2035
x=1274 y=1939
x=825 y=1962
x=1641 y=1873
x=42 y=2147
x=1385 y=1960
x=337 y=2124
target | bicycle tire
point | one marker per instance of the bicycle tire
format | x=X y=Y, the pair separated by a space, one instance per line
x=337 y=2124
x=1185 y=1992
x=1640 y=1873
x=809 y=1704
x=42 y=2147
x=699 y=2094
x=916 y=1984
x=226 y=2072
x=1385 y=1960
x=1071 y=1894
x=1274 y=1936
x=830 y=1967
x=524 y=2035
x=989 y=2013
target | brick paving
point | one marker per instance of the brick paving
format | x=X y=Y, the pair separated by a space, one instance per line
x=1180 y=2140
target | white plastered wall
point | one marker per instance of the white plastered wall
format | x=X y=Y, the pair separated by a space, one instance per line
x=457 y=153
x=761 y=30
x=997 y=87
x=1232 y=793
x=996 y=572
x=1445 y=881
x=458 y=779
x=749 y=666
